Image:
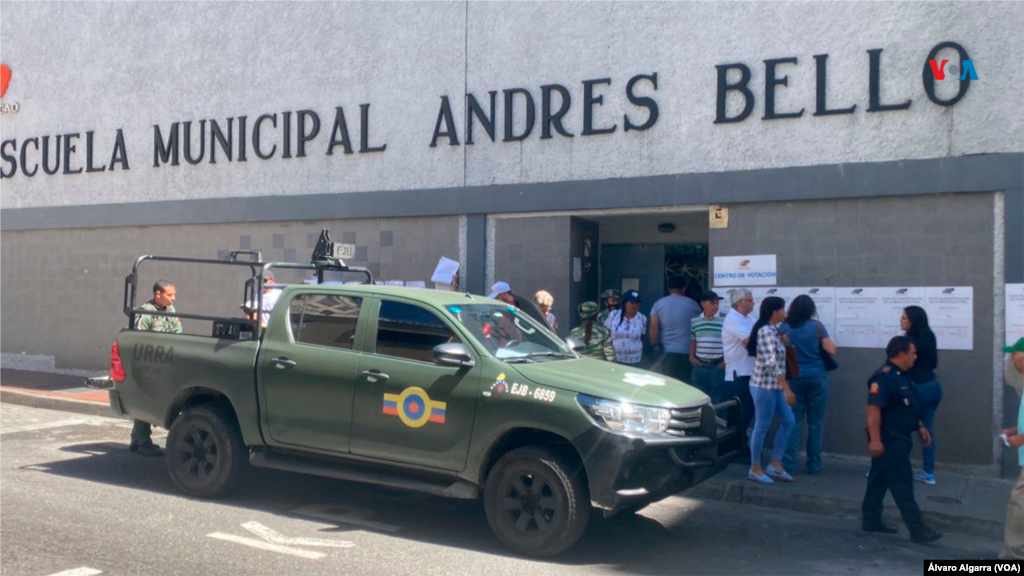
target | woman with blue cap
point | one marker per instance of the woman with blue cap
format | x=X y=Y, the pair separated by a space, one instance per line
x=628 y=327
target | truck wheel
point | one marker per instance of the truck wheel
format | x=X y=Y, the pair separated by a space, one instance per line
x=205 y=451
x=534 y=504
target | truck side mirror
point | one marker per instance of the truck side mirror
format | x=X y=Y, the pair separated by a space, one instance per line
x=452 y=354
x=578 y=346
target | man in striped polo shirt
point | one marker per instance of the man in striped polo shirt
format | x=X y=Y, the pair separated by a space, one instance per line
x=706 y=354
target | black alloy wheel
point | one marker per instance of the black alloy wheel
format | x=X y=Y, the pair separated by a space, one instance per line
x=534 y=504
x=205 y=451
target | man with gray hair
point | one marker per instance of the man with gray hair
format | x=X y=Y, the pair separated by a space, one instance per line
x=739 y=365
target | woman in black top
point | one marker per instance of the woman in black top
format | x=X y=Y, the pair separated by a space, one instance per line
x=914 y=322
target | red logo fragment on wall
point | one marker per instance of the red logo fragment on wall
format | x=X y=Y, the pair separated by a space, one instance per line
x=5 y=79
x=5 y=82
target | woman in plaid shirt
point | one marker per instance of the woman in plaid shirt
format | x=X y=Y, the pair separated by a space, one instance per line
x=770 y=391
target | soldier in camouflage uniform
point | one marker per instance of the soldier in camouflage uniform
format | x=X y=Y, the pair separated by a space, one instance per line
x=610 y=294
x=163 y=301
x=599 y=342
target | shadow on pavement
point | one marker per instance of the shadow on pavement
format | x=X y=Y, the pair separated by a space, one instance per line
x=420 y=517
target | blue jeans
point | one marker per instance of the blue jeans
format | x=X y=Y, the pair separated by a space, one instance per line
x=811 y=400
x=769 y=404
x=929 y=395
x=711 y=381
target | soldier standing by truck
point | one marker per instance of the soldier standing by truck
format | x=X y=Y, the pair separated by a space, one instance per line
x=597 y=338
x=163 y=301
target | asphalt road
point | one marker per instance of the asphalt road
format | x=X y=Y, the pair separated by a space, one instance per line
x=72 y=498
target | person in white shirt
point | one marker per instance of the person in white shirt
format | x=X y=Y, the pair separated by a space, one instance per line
x=739 y=364
x=270 y=296
x=628 y=327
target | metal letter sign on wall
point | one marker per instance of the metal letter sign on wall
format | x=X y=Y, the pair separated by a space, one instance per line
x=718 y=216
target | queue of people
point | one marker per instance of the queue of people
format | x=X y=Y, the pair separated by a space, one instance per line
x=744 y=355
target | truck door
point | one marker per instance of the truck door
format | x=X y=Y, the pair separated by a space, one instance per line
x=408 y=409
x=308 y=367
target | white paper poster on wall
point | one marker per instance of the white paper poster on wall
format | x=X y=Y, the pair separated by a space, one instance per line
x=857 y=322
x=868 y=317
x=894 y=300
x=760 y=270
x=951 y=315
x=824 y=300
x=1014 y=313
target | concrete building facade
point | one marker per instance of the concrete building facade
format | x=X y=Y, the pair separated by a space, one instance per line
x=520 y=139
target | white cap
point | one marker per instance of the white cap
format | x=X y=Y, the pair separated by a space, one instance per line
x=499 y=288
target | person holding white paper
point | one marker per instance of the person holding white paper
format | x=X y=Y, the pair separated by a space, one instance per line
x=446 y=275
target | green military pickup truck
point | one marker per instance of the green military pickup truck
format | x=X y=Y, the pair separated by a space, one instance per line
x=445 y=393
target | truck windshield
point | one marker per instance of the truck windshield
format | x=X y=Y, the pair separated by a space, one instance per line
x=509 y=334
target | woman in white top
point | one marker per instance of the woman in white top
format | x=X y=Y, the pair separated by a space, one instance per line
x=628 y=327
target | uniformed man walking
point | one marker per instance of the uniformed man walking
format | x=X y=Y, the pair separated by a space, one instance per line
x=597 y=338
x=163 y=301
x=610 y=298
x=892 y=415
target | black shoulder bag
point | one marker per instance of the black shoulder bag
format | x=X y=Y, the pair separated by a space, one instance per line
x=827 y=359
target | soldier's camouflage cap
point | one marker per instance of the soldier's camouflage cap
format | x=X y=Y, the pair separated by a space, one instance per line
x=610 y=293
x=588 y=309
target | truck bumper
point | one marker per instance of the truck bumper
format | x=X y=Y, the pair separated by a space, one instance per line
x=115 y=403
x=627 y=471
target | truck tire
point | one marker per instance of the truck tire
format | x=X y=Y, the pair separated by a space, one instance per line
x=534 y=504
x=205 y=451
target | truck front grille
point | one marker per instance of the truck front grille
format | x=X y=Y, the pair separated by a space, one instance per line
x=684 y=422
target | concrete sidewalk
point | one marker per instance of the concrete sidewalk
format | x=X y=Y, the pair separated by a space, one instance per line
x=961 y=503
x=53 y=391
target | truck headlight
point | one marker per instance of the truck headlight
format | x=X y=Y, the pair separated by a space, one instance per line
x=625 y=417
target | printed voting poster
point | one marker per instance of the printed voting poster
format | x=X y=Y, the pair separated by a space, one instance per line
x=857 y=322
x=894 y=300
x=1014 y=313
x=951 y=315
x=868 y=317
x=825 y=301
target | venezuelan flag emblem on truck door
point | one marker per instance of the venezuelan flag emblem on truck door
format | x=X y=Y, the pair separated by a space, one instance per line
x=414 y=407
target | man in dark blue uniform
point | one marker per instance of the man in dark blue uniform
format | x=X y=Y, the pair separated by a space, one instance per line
x=892 y=416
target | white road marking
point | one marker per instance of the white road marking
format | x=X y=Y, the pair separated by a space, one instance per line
x=348 y=515
x=57 y=424
x=267 y=546
x=79 y=572
x=274 y=537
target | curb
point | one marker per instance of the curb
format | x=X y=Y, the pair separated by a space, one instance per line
x=741 y=494
x=56 y=403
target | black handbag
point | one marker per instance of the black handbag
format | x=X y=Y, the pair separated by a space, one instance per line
x=827 y=359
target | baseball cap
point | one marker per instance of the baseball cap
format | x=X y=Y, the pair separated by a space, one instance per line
x=1018 y=347
x=631 y=296
x=710 y=296
x=499 y=288
x=610 y=293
